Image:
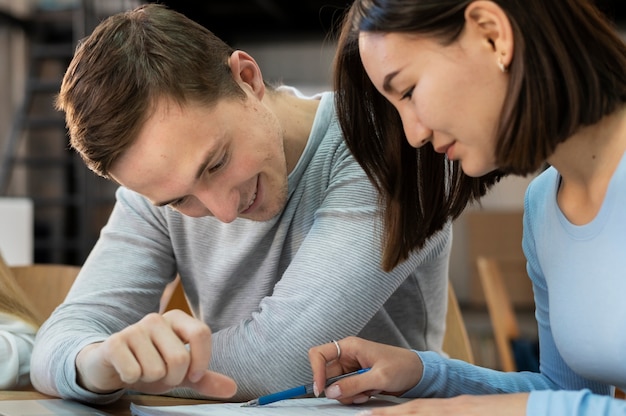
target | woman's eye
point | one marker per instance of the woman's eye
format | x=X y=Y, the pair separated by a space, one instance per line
x=408 y=94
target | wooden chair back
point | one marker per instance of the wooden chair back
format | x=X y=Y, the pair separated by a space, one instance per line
x=45 y=285
x=456 y=343
x=498 y=235
x=501 y=311
x=174 y=298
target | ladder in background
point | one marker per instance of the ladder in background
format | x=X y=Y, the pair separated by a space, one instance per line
x=71 y=204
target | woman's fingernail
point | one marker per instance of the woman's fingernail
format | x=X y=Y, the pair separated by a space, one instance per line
x=316 y=391
x=364 y=413
x=333 y=392
x=360 y=400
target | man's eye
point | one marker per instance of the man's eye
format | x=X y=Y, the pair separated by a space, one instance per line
x=179 y=203
x=217 y=166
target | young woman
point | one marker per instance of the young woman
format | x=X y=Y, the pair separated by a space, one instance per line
x=18 y=326
x=482 y=89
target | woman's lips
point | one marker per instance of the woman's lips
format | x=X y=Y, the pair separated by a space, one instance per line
x=447 y=149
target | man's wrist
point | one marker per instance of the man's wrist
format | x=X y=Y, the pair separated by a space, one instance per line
x=83 y=370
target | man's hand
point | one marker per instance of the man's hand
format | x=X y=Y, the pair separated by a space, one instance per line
x=154 y=355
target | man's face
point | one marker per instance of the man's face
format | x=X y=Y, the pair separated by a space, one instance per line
x=226 y=160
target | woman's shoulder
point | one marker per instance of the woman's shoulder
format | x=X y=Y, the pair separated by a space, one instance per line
x=544 y=183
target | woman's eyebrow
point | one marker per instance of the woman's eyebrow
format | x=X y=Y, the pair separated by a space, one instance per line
x=387 y=81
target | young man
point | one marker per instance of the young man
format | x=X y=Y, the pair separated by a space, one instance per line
x=250 y=195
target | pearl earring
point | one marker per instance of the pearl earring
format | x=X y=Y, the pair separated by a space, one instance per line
x=501 y=65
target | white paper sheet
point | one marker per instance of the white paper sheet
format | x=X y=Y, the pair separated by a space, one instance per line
x=51 y=407
x=299 y=407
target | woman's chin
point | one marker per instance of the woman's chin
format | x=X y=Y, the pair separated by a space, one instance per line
x=475 y=170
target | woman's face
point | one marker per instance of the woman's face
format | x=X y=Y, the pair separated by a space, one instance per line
x=451 y=96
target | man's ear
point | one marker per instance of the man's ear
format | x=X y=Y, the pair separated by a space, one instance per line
x=488 y=20
x=246 y=73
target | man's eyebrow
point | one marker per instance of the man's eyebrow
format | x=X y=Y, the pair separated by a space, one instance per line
x=387 y=81
x=210 y=155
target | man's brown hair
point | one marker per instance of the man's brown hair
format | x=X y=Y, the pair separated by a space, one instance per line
x=128 y=62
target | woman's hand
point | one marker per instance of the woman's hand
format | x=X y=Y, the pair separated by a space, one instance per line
x=393 y=371
x=491 y=405
x=154 y=355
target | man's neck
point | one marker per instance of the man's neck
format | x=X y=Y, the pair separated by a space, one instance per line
x=296 y=116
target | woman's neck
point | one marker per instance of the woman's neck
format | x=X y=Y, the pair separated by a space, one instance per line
x=586 y=162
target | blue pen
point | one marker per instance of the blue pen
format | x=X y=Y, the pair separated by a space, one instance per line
x=296 y=391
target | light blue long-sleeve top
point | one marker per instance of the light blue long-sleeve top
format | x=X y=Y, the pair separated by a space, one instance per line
x=579 y=282
x=269 y=290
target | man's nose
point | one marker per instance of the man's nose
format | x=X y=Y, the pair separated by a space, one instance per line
x=222 y=203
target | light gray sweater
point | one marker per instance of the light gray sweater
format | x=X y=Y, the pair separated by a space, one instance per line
x=268 y=290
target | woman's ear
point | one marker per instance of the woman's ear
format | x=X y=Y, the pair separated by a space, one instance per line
x=489 y=21
x=246 y=73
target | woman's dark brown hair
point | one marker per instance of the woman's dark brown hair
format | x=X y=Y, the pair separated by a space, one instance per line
x=567 y=72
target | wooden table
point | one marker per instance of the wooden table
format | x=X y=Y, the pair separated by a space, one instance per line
x=120 y=407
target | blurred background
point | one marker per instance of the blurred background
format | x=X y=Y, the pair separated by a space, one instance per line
x=52 y=208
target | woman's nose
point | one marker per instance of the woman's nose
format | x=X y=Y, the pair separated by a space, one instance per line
x=416 y=133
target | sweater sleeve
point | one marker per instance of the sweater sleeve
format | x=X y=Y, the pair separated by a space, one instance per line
x=16 y=344
x=448 y=378
x=120 y=282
